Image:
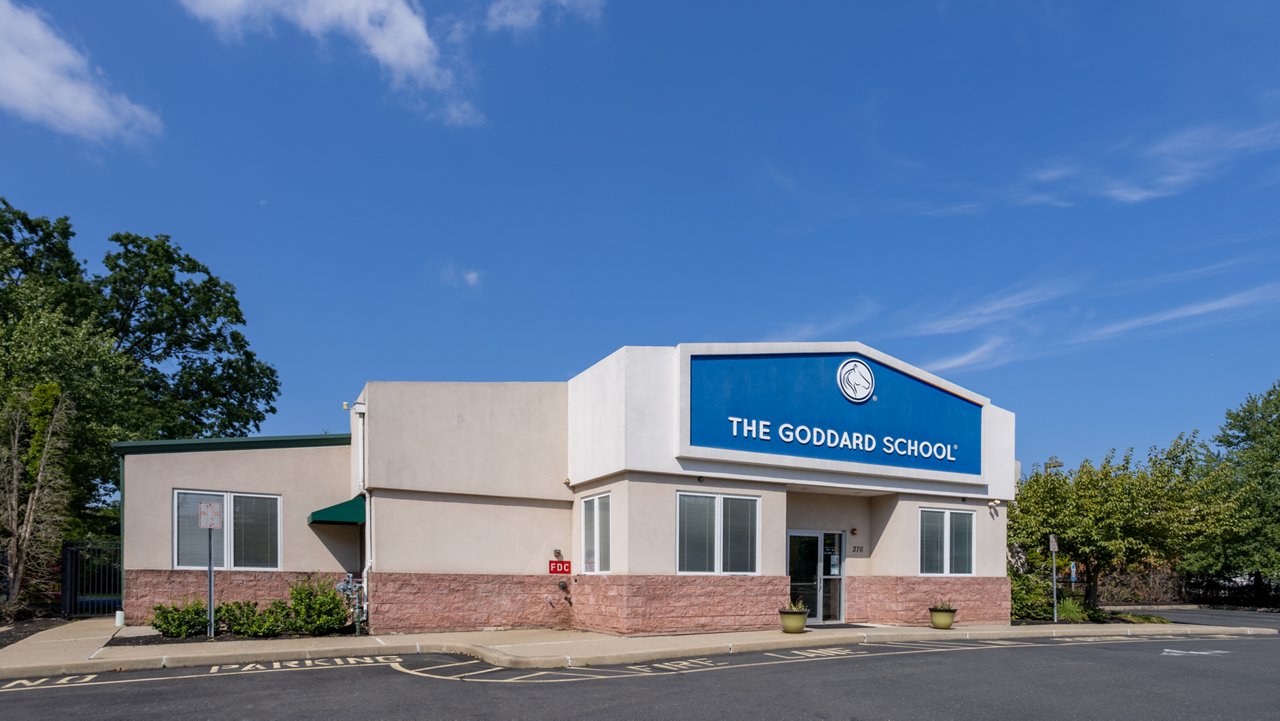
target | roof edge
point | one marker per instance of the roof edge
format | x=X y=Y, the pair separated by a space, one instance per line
x=250 y=443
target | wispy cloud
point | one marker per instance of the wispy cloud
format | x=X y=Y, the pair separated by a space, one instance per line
x=450 y=273
x=1179 y=276
x=393 y=32
x=1135 y=172
x=1260 y=295
x=994 y=309
x=827 y=328
x=986 y=355
x=43 y=79
x=522 y=16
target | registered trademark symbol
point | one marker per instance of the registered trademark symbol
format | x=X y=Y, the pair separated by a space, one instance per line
x=875 y=398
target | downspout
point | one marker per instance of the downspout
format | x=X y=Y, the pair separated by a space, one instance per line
x=368 y=513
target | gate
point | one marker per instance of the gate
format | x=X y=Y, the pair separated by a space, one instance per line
x=91 y=578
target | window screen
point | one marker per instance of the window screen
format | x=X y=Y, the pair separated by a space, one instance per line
x=696 y=527
x=739 y=535
x=932 y=536
x=193 y=541
x=961 y=543
x=256 y=532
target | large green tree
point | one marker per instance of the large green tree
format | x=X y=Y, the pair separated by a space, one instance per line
x=1248 y=471
x=1116 y=513
x=177 y=364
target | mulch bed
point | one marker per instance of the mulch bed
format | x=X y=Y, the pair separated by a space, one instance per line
x=28 y=627
x=156 y=639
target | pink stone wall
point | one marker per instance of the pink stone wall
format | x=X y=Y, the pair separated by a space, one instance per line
x=647 y=605
x=905 y=600
x=143 y=589
x=403 y=602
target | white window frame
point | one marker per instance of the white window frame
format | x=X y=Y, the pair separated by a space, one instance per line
x=946 y=541
x=228 y=530
x=718 y=533
x=583 y=519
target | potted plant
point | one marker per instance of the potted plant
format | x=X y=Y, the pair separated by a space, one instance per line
x=793 y=615
x=942 y=614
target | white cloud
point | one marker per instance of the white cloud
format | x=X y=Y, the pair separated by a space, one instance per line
x=1170 y=165
x=827 y=328
x=450 y=273
x=1256 y=296
x=393 y=32
x=522 y=16
x=45 y=80
x=986 y=355
x=992 y=310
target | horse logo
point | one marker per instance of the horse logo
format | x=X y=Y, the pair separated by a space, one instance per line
x=856 y=380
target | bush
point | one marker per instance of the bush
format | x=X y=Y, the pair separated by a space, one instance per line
x=174 y=621
x=316 y=607
x=236 y=616
x=1071 y=611
x=1031 y=597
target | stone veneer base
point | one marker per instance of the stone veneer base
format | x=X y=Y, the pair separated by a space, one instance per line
x=143 y=589
x=404 y=602
x=652 y=604
x=905 y=600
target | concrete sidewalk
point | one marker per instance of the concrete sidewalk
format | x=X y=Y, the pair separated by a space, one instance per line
x=78 y=647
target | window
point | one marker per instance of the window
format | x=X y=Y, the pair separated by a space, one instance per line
x=946 y=542
x=250 y=533
x=717 y=534
x=595 y=534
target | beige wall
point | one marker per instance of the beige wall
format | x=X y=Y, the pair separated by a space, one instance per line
x=306 y=479
x=643 y=514
x=895 y=521
x=831 y=512
x=449 y=533
x=491 y=439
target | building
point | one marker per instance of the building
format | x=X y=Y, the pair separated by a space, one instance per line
x=685 y=489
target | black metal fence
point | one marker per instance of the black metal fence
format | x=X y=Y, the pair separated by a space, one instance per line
x=91 y=578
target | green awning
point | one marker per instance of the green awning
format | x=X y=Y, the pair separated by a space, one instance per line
x=347 y=513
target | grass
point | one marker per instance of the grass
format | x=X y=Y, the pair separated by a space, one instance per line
x=1139 y=618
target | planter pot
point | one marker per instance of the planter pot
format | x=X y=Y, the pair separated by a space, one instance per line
x=942 y=617
x=793 y=621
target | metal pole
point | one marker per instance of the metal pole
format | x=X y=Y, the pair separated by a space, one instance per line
x=1055 y=584
x=211 y=583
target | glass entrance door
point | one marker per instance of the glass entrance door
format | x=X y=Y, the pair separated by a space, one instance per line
x=815 y=561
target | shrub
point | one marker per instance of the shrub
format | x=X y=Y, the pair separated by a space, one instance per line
x=316 y=607
x=1071 y=611
x=173 y=621
x=243 y=618
x=1031 y=597
x=236 y=616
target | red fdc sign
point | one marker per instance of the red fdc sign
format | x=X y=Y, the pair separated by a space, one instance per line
x=558 y=567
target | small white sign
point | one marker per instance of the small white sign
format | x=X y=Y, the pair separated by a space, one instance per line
x=211 y=515
x=1053 y=542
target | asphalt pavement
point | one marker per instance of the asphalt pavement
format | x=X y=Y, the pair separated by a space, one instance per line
x=1208 y=677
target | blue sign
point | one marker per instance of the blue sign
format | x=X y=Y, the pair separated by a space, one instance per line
x=832 y=406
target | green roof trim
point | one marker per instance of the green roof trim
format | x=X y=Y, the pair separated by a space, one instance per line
x=250 y=443
x=347 y=513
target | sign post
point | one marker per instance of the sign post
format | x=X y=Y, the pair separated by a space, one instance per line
x=1053 y=550
x=211 y=519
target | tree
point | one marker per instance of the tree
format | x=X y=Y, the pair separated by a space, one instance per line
x=176 y=362
x=1248 y=472
x=1109 y=515
x=34 y=427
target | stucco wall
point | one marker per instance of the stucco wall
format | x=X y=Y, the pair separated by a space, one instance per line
x=495 y=439
x=830 y=512
x=450 y=533
x=306 y=479
x=895 y=522
x=651 y=518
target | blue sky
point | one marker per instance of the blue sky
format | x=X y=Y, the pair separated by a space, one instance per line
x=1070 y=208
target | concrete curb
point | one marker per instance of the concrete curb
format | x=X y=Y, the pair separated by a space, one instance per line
x=656 y=648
